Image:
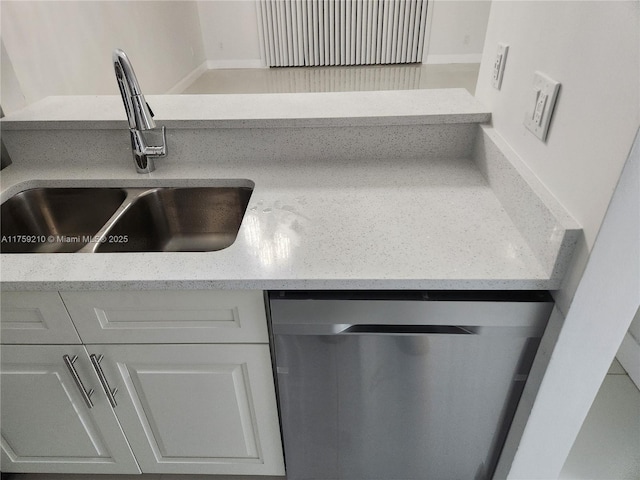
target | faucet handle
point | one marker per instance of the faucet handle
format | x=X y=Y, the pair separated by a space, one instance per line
x=159 y=151
x=141 y=147
x=163 y=148
x=143 y=154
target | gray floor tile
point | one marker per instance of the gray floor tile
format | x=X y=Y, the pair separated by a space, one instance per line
x=608 y=446
x=336 y=79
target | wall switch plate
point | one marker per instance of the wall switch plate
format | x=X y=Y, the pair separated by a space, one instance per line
x=541 y=104
x=498 y=65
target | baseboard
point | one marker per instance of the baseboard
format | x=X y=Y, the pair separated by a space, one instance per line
x=629 y=357
x=222 y=64
x=462 y=58
x=188 y=80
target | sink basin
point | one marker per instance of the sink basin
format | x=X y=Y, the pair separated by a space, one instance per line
x=101 y=220
x=179 y=220
x=50 y=220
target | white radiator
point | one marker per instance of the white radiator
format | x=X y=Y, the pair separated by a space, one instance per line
x=341 y=32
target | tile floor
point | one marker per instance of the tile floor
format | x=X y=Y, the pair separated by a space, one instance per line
x=336 y=79
x=608 y=446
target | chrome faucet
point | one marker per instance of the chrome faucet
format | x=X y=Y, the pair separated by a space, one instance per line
x=139 y=115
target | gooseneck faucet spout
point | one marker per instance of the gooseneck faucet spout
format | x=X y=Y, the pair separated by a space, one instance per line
x=139 y=115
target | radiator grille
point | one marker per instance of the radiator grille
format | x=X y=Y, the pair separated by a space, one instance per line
x=342 y=32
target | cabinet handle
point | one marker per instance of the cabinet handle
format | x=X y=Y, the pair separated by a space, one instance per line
x=111 y=393
x=86 y=395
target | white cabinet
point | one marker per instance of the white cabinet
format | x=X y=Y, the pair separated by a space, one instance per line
x=196 y=408
x=46 y=424
x=168 y=316
x=35 y=317
x=195 y=389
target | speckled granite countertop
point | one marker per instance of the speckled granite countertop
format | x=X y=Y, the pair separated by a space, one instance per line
x=394 y=107
x=419 y=224
x=422 y=222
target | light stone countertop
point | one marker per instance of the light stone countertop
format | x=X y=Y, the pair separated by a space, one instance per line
x=366 y=190
x=414 y=224
x=397 y=107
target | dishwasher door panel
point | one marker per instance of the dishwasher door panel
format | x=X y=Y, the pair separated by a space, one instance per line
x=397 y=407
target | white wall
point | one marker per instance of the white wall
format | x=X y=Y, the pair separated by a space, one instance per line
x=593 y=49
x=64 y=47
x=457 y=31
x=230 y=33
x=11 y=96
x=635 y=328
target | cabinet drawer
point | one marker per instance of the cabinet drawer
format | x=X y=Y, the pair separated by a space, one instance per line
x=198 y=316
x=35 y=317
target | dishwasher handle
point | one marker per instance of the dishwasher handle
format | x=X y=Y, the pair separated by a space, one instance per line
x=371 y=329
x=408 y=329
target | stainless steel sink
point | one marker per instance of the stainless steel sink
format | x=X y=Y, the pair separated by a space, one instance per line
x=50 y=220
x=179 y=220
x=102 y=220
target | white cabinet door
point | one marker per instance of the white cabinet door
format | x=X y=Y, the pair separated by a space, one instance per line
x=46 y=426
x=35 y=317
x=187 y=316
x=206 y=409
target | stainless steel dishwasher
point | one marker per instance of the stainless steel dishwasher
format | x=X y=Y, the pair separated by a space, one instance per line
x=401 y=385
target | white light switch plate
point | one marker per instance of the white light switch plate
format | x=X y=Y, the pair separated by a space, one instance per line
x=498 y=65
x=540 y=105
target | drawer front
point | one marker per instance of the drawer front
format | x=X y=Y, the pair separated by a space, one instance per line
x=35 y=317
x=169 y=316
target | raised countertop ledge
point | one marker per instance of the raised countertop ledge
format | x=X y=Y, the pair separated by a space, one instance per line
x=403 y=107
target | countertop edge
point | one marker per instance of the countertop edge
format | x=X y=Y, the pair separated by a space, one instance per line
x=400 y=107
x=275 y=284
x=440 y=119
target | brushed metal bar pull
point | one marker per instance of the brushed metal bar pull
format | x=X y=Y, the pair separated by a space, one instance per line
x=86 y=395
x=110 y=392
x=410 y=329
